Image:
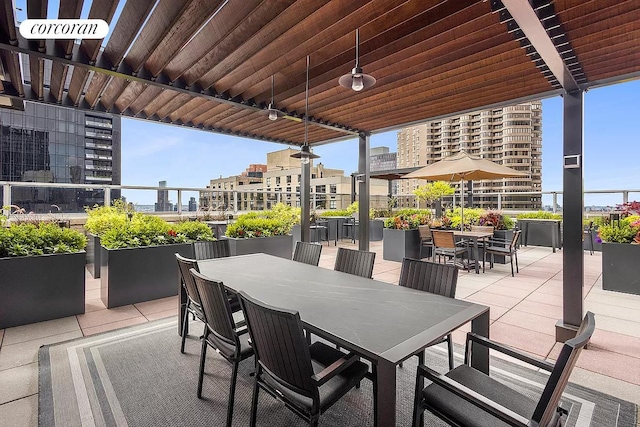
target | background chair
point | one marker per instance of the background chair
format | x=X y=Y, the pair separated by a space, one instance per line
x=221 y=333
x=506 y=248
x=349 y=228
x=309 y=379
x=587 y=233
x=434 y=278
x=208 y=249
x=426 y=240
x=320 y=229
x=465 y=396
x=358 y=263
x=308 y=253
x=444 y=244
x=193 y=306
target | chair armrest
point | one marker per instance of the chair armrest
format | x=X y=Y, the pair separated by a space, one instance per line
x=509 y=351
x=334 y=369
x=499 y=240
x=471 y=396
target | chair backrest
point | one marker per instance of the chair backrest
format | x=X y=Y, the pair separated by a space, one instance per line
x=358 y=263
x=215 y=307
x=440 y=279
x=546 y=407
x=279 y=344
x=443 y=239
x=425 y=233
x=482 y=228
x=514 y=241
x=184 y=265
x=308 y=253
x=208 y=249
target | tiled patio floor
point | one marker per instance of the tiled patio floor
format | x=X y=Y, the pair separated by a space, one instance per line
x=524 y=311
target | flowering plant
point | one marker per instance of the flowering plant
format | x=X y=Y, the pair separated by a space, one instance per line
x=403 y=222
x=495 y=218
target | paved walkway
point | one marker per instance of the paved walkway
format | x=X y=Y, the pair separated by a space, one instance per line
x=524 y=311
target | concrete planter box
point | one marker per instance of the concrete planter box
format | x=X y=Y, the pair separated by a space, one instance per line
x=93 y=255
x=280 y=246
x=375 y=230
x=133 y=275
x=620 y=267
x=540 y=232
x=38 y=288
x=398 y=244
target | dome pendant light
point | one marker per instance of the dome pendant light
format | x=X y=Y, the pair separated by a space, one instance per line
x=305 y=154
x=357 y=80
x=271 y=110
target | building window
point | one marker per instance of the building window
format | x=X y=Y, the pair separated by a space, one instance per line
x=269 y=182
x=332 y=204
x=288 y=179
x=321 y=188
x=333 y=188
x=277 y=180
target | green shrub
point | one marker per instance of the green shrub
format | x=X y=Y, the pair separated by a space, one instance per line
x=352 y=208
x=471 y=216
x=275 y=222
x=44 y=238
x=539 y=215
x=193 y=230
x=495 y=218
x=102 y=218
x=628 y=231
x=338 y=212
x=408 y=222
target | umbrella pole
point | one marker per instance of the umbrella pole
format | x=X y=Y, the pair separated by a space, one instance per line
x=462 y=205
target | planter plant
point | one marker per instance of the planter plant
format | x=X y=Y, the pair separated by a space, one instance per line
x=267 y=232
x=620 y=255
x=137 y=261
x=42 y=273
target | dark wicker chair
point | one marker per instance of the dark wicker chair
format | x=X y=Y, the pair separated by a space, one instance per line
x=465 y=396
x=506 y=248
x=587 y=233
x=208 y=249
x=308 y=253
x=444 y=244
x=194 y=306
x=358 y=263
x=434 y=278
x=221 y=333
x=319 y=229
x=309 y=379
x=349 y=228
x=426 y=240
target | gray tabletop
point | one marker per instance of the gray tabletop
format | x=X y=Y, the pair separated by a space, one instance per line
x=376 y=319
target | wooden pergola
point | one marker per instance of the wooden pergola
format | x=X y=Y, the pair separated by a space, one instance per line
x=208 y=64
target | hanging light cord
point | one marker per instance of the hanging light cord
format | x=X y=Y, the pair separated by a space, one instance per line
x=272 y=83
x=357 y=46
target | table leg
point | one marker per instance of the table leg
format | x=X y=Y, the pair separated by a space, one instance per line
x=385 y=394
x=553 y=237
x=480 y=359
x=475 y=255
x=182 y=305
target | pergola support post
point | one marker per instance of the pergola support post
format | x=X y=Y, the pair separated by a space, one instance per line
x=305 y=201
x=363 y=190
x=573 y=206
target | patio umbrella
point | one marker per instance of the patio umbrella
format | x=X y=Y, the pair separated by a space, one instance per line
x=463 y=166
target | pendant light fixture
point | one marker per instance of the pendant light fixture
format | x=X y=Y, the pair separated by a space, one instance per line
x=305 y=154
x=272 y=111
x=357 y=80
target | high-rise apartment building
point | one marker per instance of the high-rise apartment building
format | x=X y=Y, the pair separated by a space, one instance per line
x=162 y=202
x=47 y=143
x=510 y=136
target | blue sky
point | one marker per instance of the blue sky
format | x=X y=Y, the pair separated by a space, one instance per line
x=152 y=152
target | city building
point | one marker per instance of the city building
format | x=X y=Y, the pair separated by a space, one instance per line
x=53 y=144
x=193 y=205
x=510 y=136
x=163 y=204
x=261 y=186
x=380 y=159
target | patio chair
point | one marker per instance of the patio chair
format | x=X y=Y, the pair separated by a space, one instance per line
x=309 y=379
x=506 y=248
x=466 y=396
x=208 y=249
x=434 y=278
x=194 y=306
x=320 y=229
x=426 y=240
x=358 y=263
x=587 y=233
x=349 y=228
x=221 y=333
x=308 y=253
x=444 y=244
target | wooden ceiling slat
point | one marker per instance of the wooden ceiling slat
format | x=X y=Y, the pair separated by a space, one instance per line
x=129 y=23
x=12 y=66
x=69 y=9
x=152 y=107
x=290 y=17
x=173 y=104
x=97 y=85
x=129 y=94
x=147 y=95
x=36 y=69
x=207 y=113
x=7 y=20
x=220 y=116
x=192 y=18
x=58 y=77
x=185 y=108
x=212 y=40
x=234 y=118
x=206 y=106
x=37 y=9
x=336 y=23
x=159 y=24
x=116 y=86
x=587 y=13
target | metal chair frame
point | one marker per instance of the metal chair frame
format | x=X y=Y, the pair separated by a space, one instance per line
x=308 y=253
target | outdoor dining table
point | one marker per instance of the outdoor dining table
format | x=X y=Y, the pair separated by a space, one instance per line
x=474 y=236
x=380 y=322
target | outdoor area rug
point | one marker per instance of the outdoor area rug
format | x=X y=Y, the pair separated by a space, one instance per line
x=137 y=377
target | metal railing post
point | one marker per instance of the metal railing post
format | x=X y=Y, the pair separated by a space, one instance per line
x=6 y=200
x=313 y=202
x=499 y=201
x=625 y=197
x=235 y=202
x=179 y=207
x=555 y=202
x=107 y=196
x=278 y=197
